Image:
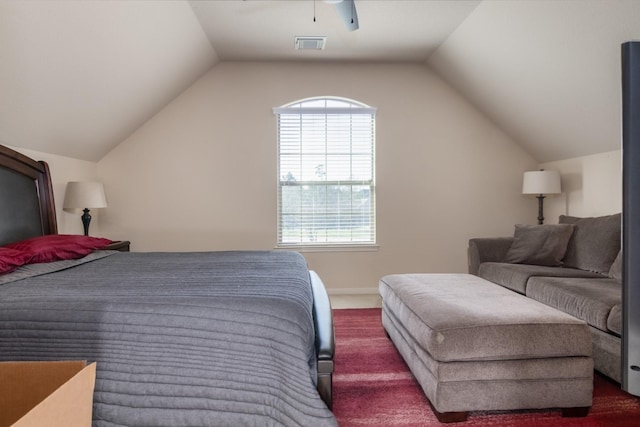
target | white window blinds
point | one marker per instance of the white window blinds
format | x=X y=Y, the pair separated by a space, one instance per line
x=326 y=172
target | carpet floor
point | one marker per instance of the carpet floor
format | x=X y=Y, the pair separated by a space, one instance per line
x=372 y=386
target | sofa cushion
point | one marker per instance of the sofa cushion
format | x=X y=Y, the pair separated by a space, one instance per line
x=515 y=276
x=460 y=317
x=615 y=272
x=539 y=244
x=590 y=300
x=595 y=242
x=614 y=321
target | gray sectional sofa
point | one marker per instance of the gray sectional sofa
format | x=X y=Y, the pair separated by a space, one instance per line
x=573 y=266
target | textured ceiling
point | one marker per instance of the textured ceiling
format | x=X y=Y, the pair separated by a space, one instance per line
x=78 y=77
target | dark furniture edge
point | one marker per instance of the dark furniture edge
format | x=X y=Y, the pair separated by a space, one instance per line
x=39 y=172
x=118 y=245
x=325 y=339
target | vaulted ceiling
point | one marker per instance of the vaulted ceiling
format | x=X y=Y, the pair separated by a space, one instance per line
x=78 y=77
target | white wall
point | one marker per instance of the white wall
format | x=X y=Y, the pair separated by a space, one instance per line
x=64 y=169
x=201 y=175
x=591 y=186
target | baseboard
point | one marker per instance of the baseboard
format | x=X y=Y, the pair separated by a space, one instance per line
x=355 y=298
x=353 y=291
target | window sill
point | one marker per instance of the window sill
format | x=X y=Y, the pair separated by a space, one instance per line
x=329 y=248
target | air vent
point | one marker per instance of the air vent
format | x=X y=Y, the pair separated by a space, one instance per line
x=310 y=43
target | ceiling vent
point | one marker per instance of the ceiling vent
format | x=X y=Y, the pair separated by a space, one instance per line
x=310 y=43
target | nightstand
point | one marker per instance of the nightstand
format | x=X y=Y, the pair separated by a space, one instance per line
x=119 y=245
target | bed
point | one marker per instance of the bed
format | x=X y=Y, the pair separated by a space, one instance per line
x=180 y=339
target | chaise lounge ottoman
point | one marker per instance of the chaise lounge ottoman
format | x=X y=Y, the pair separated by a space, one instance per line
x=475 y=346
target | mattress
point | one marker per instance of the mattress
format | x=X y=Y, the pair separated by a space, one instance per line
x=180 y=339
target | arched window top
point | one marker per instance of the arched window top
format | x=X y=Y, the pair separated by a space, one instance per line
x=325 y=105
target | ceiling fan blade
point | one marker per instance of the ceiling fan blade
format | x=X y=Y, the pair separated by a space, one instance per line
x=347 y=11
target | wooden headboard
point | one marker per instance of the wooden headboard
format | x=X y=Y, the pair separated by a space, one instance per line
x=27 y=208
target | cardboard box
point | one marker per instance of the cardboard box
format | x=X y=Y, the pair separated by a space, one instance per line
x=52 y=394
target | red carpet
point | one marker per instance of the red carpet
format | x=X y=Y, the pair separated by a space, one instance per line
x=372 y=386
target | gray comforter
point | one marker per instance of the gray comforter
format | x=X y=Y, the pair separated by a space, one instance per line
x=181 y=339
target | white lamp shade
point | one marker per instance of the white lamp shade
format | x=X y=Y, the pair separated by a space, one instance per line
x=81 y=195
x=541 y=182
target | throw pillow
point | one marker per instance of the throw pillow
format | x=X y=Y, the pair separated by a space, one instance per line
x=55 y=247
x=615 y=272
x=539 y=244
x=10 y=259
x=595 y=242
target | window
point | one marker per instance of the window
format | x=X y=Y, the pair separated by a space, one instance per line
x=326 y=173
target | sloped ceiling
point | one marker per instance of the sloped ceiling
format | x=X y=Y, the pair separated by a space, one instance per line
x=547 y=72
x=78 y=77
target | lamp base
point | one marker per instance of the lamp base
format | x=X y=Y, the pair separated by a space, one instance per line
x=540 y=211
x=86 y=219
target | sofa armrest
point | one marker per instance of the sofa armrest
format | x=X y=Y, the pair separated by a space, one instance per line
x=487 y=249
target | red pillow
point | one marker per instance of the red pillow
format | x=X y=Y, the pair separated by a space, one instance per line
x=10 y=259
x=55 y=247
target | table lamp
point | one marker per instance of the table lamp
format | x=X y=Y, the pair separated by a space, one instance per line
x=85 y=195
x=541 y=182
